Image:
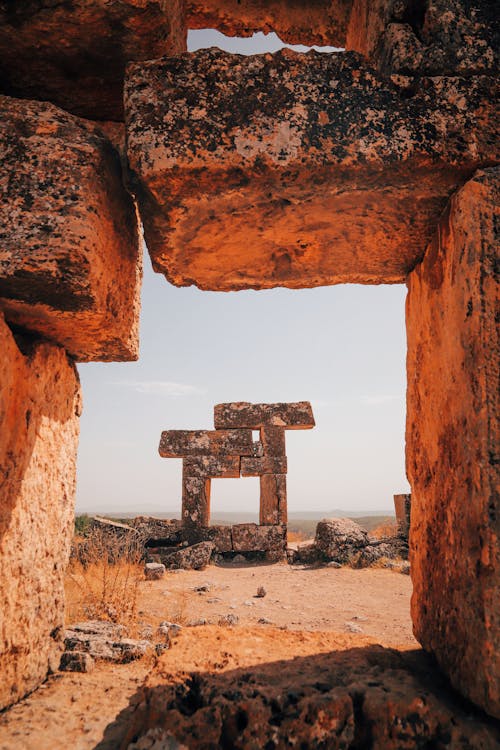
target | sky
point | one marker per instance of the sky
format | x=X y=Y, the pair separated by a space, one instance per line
x=341 y=347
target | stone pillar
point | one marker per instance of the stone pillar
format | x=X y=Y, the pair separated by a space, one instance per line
x=402 y=506
x=39 y=410
x=452 y=443
x=195 y=501
x=273 y=507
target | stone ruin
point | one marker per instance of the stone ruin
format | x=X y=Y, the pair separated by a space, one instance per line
x=229 y=451
x=373 y=165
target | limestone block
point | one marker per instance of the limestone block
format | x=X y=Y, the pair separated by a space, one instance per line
x=255 y=467
x=273 y=501
x=74 y=53
x=157 y=531
x=195 y=501
x=39 y=409
x=220 y=536
x=194 y=557
x=441 y=37
x=340 y=539
x=323 y=22
x=69 y=243
x=212 y=466
x=273 y=440
x=292 y=416
x=296 y=170
x=452 y=443
x=249 y=537
x=181 y=443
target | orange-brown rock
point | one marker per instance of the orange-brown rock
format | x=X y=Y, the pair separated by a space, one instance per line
x=39 y=409
x=435 y=37
x=69 y=243
x=296 y=170
x=237 y=414
x=321 y=22
x=452 y=443
x=197 y=443
x=74 y=53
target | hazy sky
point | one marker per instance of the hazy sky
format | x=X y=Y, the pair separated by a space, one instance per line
x=342 y=347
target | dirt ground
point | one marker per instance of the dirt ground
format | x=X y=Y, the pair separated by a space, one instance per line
x=334 y=608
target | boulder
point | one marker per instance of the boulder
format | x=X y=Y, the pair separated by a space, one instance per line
x=69 y=242
x=452 y=442
x=104 y=641
x=74 y=53
x=328 y=174
x=196 y=557
x=339 y=539
x=39 y=409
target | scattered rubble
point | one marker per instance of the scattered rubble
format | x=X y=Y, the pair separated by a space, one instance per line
x=105 y=641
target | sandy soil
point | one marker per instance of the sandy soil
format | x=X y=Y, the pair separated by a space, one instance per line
x=348 y=607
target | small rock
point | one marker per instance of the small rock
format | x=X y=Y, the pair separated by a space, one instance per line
x=177 y=570
x=76 y=661
x=153 y=571
x=360 y=618
x=203 y=589
x=261 y=592
x=196 y=623
x=351 y=627
x=405 y=568
x=229 y=619
x=146 y=632
x=333 y=564
x=249 y=603
x=213 y=600
x=238 y=559
x=264 y=621
x=160 y=648
x=170 y=629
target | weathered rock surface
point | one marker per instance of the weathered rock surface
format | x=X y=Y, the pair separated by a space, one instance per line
x=452 y=443
x=74 y=53
x=273 y=499
x=296 y=170
x=212 y=466
x=402 y=507
x=322 y=22
x=194 y=557
x=365 y=696
x=154 y=531
x=195 y=501
x=154 y=571
x=39 y=409
x=340 y=539
x=69 y=246
x=180 y=443
x=439 y=37
x=249 y=537
x=220 y=536
x=76 y=661
x=104 y=641
x=256 y=467
x=240 y=414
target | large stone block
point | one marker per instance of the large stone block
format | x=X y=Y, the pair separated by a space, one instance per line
x=248 y=537
x=69 y=243
x=39 y=409
x=292 y=416
x=273 y=440
x=212 y=466
x=195 y=501
x=323 y=22
x=438 y=37
x=273 y=499
x=181 y=443
x=256 y=467
x=296 y=170
x=452 y=443
x=74 y=53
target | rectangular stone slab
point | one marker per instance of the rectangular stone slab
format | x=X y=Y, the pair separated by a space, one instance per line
x=273 y=499
x=249 y=537
x=182 y=443
x=40 y=405
x=273 y=440
x=212 y=466
x=297 y=170
x=255 y=467
x=452 y=443
x=292 y=416
x=195 y=501
x=70 y=262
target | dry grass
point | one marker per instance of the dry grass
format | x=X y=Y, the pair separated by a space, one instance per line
x=385 y=530
x=103 y=578
x=297 y=536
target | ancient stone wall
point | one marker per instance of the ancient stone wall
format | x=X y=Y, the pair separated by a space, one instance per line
x=39 y=410
x=452 y=442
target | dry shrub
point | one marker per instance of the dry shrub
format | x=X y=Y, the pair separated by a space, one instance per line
x=103 y=578
x=385 y=530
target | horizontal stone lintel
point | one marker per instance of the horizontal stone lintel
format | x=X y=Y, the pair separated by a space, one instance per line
x=308 y=169
x=185 y=443
x=256 y=467
x=212 y=466
x=290 y=416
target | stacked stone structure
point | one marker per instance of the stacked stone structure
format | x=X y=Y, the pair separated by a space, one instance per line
x=229 y=451
x=378 y=165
